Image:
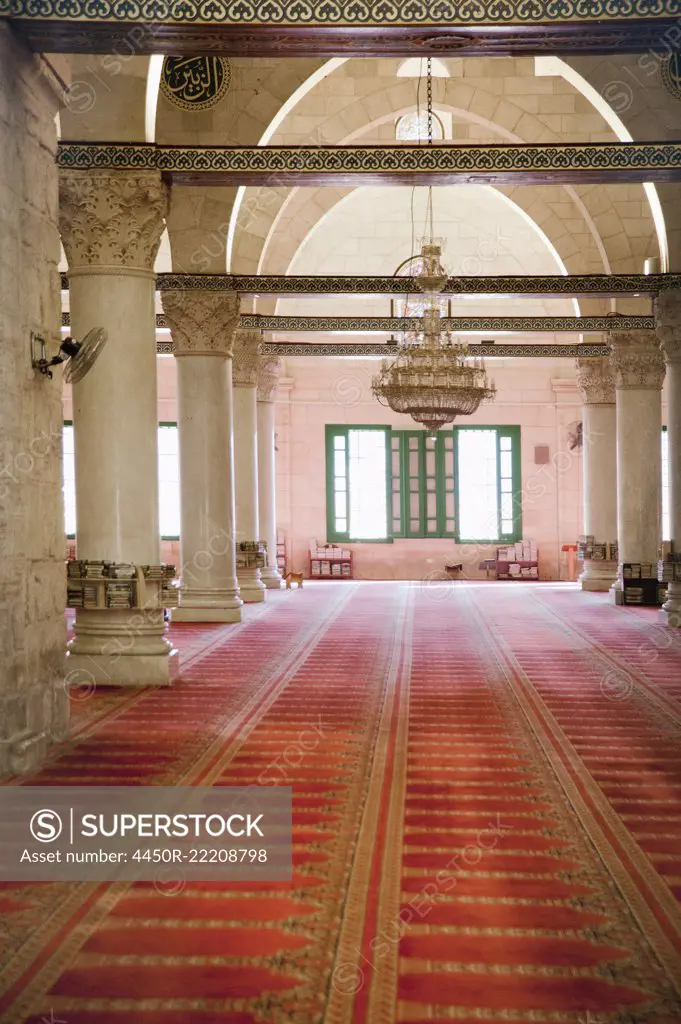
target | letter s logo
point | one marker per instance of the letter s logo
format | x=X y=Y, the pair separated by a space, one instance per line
x=46 y=826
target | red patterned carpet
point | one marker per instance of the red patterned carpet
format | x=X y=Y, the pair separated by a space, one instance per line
x=487 y=820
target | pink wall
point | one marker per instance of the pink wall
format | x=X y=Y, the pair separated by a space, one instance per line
x=538 y=396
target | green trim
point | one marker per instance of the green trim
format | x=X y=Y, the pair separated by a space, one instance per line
x=502 y=431
x=338 y=536
x=167 y=423
x=444 y=484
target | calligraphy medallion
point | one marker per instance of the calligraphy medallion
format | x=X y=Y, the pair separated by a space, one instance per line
x=195 y=83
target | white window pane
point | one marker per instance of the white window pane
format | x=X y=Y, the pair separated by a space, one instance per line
x=169 y=481
x=368 y=499
x=666 y=527
x=69 y=481
x=477 y=483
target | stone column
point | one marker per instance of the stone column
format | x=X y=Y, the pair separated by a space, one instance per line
x=639 y=376
x=34 y=698
x=111 y=225
x=268 y=376
x=668 y=315
x=596 y=381
x=246 y=364
x=202 y=326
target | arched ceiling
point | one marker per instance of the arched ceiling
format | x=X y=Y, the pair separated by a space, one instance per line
x=590 y=228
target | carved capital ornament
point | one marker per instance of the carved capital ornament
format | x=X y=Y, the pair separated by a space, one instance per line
x=246 y=358
x=112 y=219
x=668 y=324
x=268 y=377
x=637 y=361
x=202 y=323
x=596 y=381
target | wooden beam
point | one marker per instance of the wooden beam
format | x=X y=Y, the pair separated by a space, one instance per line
x=440 y=164
x=457 y=325
x=266 y=28
x=557 y=285
x=497 y=351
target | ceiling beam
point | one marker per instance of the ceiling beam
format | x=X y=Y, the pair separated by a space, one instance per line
x=557 y=285
x=264 y=28
x=458 y=325
x=514 y=351
x=368 y=349
x=438 y=164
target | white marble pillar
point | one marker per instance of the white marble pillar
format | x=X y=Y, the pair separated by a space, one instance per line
x=268 y=376
x=639 y=376
x=246 y=363
x=668 y=315
x=202 y=325
x=111 y=225
x=596 y=381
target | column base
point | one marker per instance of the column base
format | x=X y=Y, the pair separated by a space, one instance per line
x=598 y=576
x=30 y=722
x=671 y=609
x=271 y=577
x=191 y=613
x=251 y=587
x=120 y=647
x=136 y=670
x=208 y=605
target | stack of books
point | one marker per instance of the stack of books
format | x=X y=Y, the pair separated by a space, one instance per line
x=170 y=595
x=152 y=572
x=251 y=555
x=669 y=572
x=119 y=595
x=120 y=570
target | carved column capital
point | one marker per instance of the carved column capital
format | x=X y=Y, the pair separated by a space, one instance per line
x=201 y=323
x=246 y=358
x=637 y=360
x=268 y=377
x=668 y=323
x=112 y=219
x=596 y=381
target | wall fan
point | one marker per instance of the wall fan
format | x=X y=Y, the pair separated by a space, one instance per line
x=79 y=356
x=575 y=439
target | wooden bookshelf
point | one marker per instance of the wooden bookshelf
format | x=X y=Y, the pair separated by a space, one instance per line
x=101 y=592
x=504 y=563
x=330 y=563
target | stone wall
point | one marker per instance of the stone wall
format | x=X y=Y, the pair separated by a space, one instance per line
x=33 y=698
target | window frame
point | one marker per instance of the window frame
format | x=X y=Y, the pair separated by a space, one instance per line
x=405 y=532
x=170 y=423
x=333 y=535
x=68 y=423
x=162 y=423
x=516 y=476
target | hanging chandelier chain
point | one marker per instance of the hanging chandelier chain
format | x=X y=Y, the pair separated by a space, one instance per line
x=429 y=87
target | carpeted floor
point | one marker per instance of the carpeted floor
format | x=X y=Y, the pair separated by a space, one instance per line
x=487 y=820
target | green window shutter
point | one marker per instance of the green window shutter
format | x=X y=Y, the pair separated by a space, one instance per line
x=346 y=460
x=496 y=481
x=397 y=495
x=337 y=484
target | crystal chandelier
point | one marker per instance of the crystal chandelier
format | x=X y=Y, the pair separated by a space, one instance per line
x=433 y=379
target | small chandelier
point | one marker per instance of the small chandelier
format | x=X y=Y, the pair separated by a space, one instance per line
x=433 y=379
